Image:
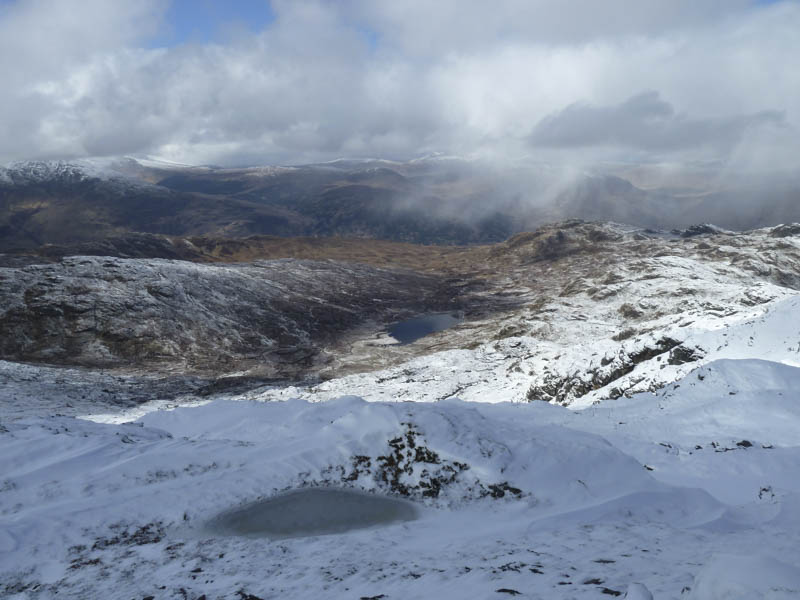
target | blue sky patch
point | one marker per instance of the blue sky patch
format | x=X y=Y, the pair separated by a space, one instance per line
x=201 y=21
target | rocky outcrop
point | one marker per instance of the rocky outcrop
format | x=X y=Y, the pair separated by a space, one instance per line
x=109 y=311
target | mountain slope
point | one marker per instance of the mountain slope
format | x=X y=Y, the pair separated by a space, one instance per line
x=110 y=312
x=601 y=311
x=66 y=204
x=520 y=497
x=674 y=466
x=430 y=201
x=570 y=313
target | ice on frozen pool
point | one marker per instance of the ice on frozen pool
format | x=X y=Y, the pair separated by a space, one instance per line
x=312 y=511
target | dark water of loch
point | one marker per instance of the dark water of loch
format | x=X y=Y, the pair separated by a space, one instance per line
x=407 y=332
x=312 y=511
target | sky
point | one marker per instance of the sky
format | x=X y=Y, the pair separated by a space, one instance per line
x=244 y=82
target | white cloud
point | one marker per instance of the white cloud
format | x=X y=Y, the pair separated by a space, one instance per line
x=44 y=44
x=420 y=27
x=458 y=77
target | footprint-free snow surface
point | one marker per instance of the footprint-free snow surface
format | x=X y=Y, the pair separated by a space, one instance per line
x=689 y=493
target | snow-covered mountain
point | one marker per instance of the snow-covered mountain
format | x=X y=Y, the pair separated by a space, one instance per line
x=601 y=311
x=670 y=495
x=615 y=413
x=572 y=313
x=432 y=200
x=71 y=171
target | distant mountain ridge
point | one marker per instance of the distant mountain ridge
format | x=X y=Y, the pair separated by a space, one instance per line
x=434 y=200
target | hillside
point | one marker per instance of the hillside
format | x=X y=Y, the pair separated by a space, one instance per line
x=426 y=201
x=691 y=493
x=612 y=411
x=573 y=312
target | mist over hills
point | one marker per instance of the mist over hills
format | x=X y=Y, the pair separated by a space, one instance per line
x=434 y=200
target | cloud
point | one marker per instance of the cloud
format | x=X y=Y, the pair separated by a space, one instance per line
x=646 y=122
x=358 y=78
x=44 y=43
x=420 y=27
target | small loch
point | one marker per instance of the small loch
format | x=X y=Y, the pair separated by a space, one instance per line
x=312 y=511
x=409 y=331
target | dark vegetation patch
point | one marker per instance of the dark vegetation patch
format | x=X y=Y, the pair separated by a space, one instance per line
x=125 y=535
x=411 y=469
x=243 y=595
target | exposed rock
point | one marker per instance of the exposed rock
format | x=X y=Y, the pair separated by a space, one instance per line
x=409 y=468
x=788 y=230
x=702 y=229
x=681 y=355
x=563 y=390
x=548 y=313
x=107 y=311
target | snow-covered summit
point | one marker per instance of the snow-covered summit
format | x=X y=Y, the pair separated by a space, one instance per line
x=37 y=171
x=40 y=171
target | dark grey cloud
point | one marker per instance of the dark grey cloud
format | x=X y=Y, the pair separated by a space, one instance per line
x=646 y=122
